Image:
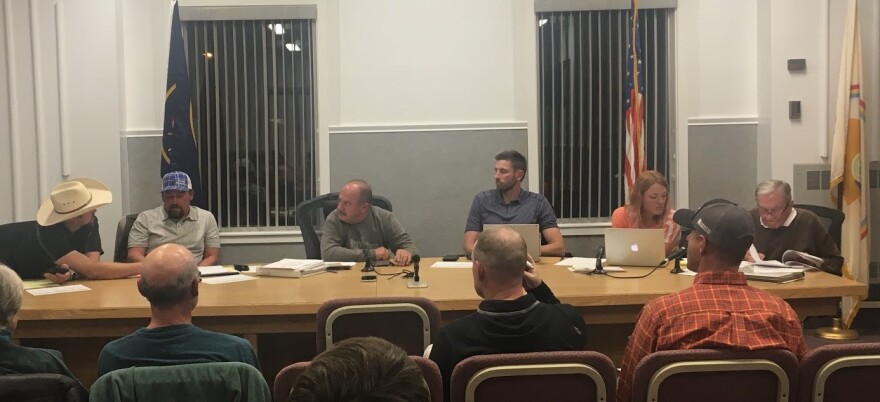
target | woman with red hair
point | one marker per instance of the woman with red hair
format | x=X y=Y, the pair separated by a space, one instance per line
x=648 y=208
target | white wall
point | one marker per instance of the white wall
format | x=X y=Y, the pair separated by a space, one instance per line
x=426 y=62
x=57 y=88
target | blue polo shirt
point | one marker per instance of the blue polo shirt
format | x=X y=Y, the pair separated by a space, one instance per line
x=489 y=208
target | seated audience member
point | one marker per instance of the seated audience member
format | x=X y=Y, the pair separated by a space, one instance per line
x=176 y=221
x=648 y=208
x=720 y=310
x=519 y=312
x=361 y=369
x=16 y=359
x=356 y=230
x=170 y=281
x=65 y=234
x=508 y=203
x=780 y=227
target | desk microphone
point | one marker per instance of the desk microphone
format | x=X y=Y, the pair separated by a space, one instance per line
x=369 y=266
x=600 y=254
x=681 y=252
x=416 y=281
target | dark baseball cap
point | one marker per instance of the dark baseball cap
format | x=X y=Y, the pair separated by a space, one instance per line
x=722 y=222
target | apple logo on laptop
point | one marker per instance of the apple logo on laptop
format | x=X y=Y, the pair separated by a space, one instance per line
x=634 y=247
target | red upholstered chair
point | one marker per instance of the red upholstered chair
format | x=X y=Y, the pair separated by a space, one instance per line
x=843 y=372
x=407 y=322
x=716 y=375
x=538 y=376
x=287 y=377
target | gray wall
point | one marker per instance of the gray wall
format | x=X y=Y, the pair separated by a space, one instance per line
x=143 y=180
x=430 y=177
x=722 y=163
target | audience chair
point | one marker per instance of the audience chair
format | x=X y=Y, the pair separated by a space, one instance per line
x=538 y=376
x=716 y=375
x=407 y=322
x=286 y=378
x=830 y=218
x=311 y=214
x=123 y=228
x=843 y=372
x=227 y=381
x=41 y=387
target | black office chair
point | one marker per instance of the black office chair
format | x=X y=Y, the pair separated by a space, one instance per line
x=312 y=213
x=123 y=228
x=832 y=219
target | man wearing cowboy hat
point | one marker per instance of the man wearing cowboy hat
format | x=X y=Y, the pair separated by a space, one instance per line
x=65 y=234
x=176 y=221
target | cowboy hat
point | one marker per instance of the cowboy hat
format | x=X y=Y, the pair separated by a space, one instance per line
x=73 y=198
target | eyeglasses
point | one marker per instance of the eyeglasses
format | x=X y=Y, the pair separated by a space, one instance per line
x=773 y=212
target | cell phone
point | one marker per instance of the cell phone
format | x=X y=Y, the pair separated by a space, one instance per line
x=241 y=267
x=58 y=270
x=450 y=257
x=368 y=278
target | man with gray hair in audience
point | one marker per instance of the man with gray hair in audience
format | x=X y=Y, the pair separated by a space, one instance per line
x=170 y=281
x=519 y=312
x=15 y=359
x=780 y=227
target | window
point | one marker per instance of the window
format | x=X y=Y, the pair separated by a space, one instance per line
x=253 y=114
x=582 y=96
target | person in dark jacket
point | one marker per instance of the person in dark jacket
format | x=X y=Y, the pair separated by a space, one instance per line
x=519 y=312
x=15 y=359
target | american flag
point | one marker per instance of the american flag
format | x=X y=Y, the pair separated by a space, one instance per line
x=634 y=164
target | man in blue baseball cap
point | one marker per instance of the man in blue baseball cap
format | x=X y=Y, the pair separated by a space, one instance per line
x=176 y=221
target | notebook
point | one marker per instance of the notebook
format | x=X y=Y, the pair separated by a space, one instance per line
x=634 y=247
x=529 y=232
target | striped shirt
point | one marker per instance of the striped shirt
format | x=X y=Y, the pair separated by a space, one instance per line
x=720 y=311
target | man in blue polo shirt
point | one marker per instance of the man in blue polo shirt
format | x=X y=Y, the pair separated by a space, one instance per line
x=508 y=203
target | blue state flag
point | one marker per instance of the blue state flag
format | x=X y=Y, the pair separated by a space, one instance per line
x=180 y=150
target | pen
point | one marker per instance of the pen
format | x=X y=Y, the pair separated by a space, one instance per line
x=220 y=274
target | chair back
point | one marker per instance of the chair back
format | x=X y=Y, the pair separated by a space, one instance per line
x=227 y=381
x=407 y=322
x=537 y=376
x=311 y=214
x=123 y=228
x=842 y=372
x=287 y=377
x=41 y=387
x=831 y=219
x=699 y=374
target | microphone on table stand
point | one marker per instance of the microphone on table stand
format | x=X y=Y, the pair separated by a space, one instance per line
x=416 y=282
x=676 y=255
x=600 y=254
x=369 y=266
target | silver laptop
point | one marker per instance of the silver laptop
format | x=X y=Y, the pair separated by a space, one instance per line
x=529 y=232
x=634 y=247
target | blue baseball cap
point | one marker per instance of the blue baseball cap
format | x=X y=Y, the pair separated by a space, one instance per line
x=176 y=181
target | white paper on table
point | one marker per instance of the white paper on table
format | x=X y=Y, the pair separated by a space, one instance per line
x=687 y=272
x=584 y=270
x=452 y=264
x=56 y=290
x=578 y=262
x=212 y=270
x=228 y=278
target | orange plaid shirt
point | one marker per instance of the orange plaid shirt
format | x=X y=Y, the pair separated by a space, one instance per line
x=720 y=311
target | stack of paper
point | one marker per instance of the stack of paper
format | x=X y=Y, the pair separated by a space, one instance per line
x=292 y=268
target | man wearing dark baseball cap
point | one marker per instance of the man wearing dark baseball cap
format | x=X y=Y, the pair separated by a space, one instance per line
x=720 y=310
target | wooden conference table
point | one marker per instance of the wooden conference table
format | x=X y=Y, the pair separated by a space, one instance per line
x=277 y=315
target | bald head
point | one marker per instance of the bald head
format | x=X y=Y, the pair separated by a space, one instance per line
x=502 y=251
x=167 y=275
